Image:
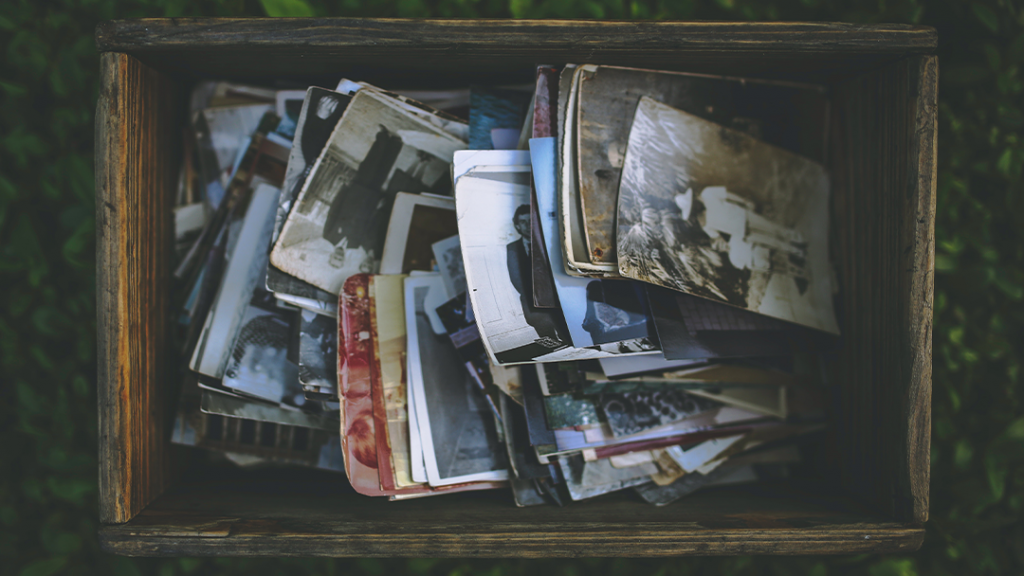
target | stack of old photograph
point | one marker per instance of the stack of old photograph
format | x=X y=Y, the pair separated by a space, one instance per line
x=607 y=279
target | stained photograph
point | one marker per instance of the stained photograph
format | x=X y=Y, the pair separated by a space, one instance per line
x=713 y=212
x=339 y=223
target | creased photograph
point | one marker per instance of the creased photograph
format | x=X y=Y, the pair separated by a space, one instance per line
x=713 y=212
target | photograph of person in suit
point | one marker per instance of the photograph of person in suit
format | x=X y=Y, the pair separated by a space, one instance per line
x=520 y=272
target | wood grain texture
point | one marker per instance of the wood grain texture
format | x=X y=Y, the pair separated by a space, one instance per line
x=136 y=126
x=233 y=519
x=884 y=209
x=410 y=52
x=383 y=34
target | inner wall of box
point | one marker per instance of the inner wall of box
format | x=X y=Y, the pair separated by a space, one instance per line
x=832 y=453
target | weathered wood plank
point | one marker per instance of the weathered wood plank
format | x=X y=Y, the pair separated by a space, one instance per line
x=135 y=121
x=918 y=270
x=411 y=52
x=884 y=208
x=771 y=519
x=454 y=36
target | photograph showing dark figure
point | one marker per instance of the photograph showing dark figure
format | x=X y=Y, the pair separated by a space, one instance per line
x=520 y=272
x=259 y=364
x=316 y=120
x=614 y=312
x=715 y=213
x=318 y=354
x=339 y=223
x=327 y=109
x=355 y=211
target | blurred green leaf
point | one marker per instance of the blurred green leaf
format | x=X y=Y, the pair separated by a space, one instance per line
x=996 y=471
x=1015 y=430
x=894 y=567
x=45 y=567
x=986 y=16
x=287 y=8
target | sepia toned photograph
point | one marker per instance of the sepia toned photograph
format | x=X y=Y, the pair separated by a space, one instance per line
x=713 y=212
x=786 y=114
x=339 y=224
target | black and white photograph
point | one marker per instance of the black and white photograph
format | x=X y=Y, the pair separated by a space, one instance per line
x=512 y=166
x=457 y=318
x=448 y=255
x=215 y=402
x=596 y=311
x=494 y=227
x=417 y=222
x=318 y=354
x=635 y=412
x=713 y=212
x=288 y=105
x=590 y=479
x=259 y=366
x=786 y=114
x=245 y=268
x=614 y=312
x=339 y=223
x=320 y=112
x=456 y=426
x=693 y=328
x=433 y=115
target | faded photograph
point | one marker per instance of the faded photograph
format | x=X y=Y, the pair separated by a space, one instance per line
x=462 y=439
x=259 y=364
x=448 y=255
x=715 y=213
x=417 y=222
x=634 y=412
x=494 y=227
x=339 y=224
x=318 y=354
x=518 y=256
x=615 y=312
x=789 y=115
x=317 y=118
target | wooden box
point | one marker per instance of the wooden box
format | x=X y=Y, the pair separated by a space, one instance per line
x=872 y=495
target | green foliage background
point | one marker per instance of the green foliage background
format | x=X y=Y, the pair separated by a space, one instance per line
x=48 y=87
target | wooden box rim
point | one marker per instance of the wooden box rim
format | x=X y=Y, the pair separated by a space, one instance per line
x=161 y=529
